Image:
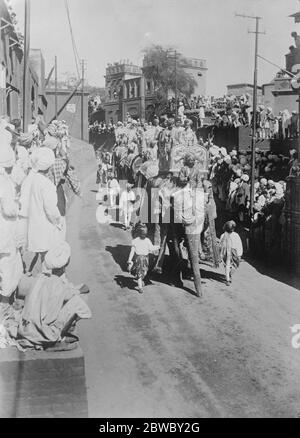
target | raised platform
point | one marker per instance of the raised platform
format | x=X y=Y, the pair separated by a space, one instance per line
x=40 y=384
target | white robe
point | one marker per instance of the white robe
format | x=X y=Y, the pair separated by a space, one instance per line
x=22 y=228
x=11 y=268
x=43 y=215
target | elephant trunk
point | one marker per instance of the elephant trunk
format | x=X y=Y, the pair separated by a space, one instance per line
x=193 y=243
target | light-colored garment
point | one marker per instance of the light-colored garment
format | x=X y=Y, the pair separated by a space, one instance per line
x=43 y=215
x=25 y=194
x=11 y=270
x=50 y=303
x=189 y=207
x=22 y=224
x=143 y=247
x=8 y=213
x=126 y=201
x=236 y=242
x=10 y=259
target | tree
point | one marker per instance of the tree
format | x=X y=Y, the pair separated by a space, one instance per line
x=161 y=66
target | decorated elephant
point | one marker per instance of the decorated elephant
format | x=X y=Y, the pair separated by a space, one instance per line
x=166 y=212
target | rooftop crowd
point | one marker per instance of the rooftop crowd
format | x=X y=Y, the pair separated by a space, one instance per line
x=39 y=307
x=236 y=111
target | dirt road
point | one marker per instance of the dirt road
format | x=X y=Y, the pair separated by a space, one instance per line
x=167 y=353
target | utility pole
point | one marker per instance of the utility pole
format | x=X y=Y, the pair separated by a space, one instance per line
x=175 y=54
x=26 y=98
x=55 y=92
x=176 y=96
x=254 y=114
x=82 y=99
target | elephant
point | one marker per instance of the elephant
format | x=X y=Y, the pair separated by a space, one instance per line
x=161 y=215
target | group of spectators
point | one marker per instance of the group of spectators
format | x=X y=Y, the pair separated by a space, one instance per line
x=102 y=127
x=236 y=111
x=38 y=305
x=230 y=176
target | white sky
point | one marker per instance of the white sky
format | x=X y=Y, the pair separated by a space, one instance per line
x=111 y=30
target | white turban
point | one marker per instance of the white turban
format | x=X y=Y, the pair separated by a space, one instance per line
x=44 y=158
x=214 y=150
x=50 y=142
x=7 y=156
x=245 y=177
x=58 y=256
x=223 y=152
x=5 y=135
x=227 y=159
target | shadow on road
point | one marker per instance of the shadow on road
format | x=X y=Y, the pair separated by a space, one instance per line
x=120 y=255
x=126 y=282
x=117 y=225
x=276 y=271
x=212 y=275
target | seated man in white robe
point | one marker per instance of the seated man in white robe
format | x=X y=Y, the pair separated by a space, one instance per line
x=52 y=304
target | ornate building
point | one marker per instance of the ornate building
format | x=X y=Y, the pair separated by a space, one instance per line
x=128 y=92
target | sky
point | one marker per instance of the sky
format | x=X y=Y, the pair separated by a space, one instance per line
x=112 y=30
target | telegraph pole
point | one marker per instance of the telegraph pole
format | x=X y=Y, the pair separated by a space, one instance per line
x=253 y=143
x=26 y=98
x=82 y=99
x=55 y=91
x=175 y=54
x=176 y=95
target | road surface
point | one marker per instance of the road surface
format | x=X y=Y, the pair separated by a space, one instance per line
x=167 y=353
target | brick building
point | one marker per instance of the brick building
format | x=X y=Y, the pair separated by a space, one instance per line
x=11 y=72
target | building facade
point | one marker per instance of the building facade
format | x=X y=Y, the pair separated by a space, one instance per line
x=129 y=92
x=12 y=69
x=71 y=113
x=122 y=82
x=197 y=68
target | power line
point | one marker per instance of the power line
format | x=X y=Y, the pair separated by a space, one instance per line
x=76 y=56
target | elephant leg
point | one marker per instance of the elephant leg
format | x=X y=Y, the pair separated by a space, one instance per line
x=176 y=256
x=163 y=244
x=193 y=241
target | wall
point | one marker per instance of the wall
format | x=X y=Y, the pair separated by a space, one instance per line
x=240 y=89
x=73 y=119
x=198 y=70
x=10 y=68
x=268 y=97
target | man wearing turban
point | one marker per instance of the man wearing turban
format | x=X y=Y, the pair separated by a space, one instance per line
x=10 y=259
x=44 y=219
x=52 y=304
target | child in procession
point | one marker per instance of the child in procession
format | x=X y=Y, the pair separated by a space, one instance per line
x=138 y=260
x=231 y=248
x=126 y=205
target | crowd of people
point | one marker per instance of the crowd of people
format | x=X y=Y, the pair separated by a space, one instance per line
x=102 y=127
x=39 y=307
x=236 y=111
x=230 y=176
x=142 y=151
x=164 y=145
